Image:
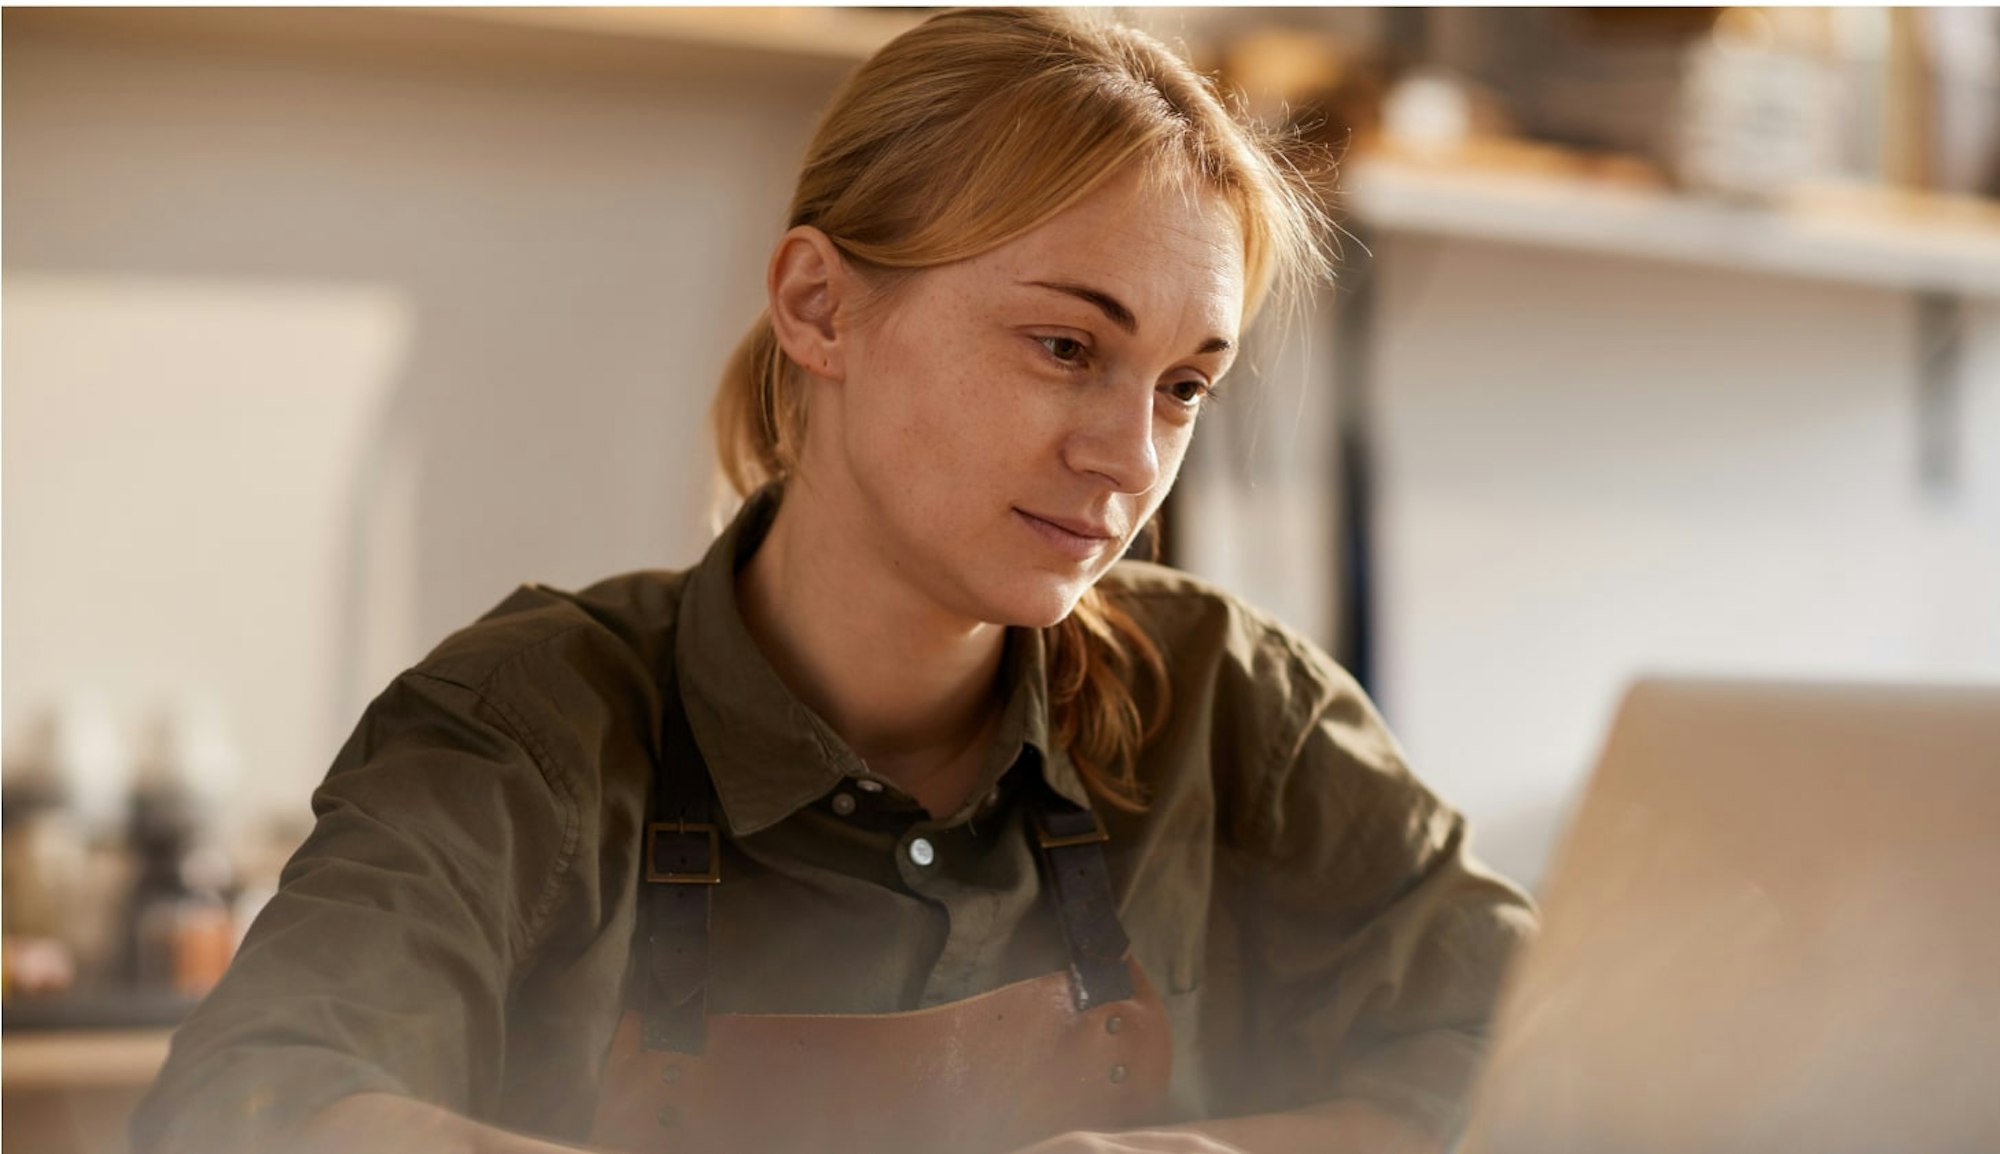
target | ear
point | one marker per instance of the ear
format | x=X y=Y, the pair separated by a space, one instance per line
x=809 y=285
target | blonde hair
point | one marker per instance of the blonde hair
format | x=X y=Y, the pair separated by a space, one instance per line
x=969 y=130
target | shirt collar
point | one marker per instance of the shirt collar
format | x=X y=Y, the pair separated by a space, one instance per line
x=770 y=755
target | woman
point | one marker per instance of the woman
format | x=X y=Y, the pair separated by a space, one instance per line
x=905 y=820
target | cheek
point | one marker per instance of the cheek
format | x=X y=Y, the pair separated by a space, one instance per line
x=1170 y=446
x=941 y=417
x=917 y=437
x=920 y=417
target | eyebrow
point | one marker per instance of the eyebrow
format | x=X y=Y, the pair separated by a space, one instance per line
x=1115 y=311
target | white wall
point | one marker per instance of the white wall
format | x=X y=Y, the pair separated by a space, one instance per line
x=1593 y=467
x=309 y=360
x=178 y=483
x=1257 y=507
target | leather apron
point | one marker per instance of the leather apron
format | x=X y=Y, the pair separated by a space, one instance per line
x=1087 y=1048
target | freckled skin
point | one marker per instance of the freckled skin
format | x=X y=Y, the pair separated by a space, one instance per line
x=956 y=413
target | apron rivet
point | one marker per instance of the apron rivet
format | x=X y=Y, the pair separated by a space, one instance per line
x=1117 y=1073
x=671 y=1074
x=1113 y=1024
x=843 y=804
x=921 y=852
x=670 y=1117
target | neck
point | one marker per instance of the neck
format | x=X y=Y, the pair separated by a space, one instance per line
x=911 y=688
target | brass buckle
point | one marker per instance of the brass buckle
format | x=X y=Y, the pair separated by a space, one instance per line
x=714 y=874
x=1051 y=841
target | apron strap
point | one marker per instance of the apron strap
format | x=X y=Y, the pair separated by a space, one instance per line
x=1072 y=840
x=683 y=862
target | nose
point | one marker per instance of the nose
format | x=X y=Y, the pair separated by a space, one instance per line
x=1115 y=440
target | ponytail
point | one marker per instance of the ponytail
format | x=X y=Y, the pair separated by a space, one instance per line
x=1094 y=655
x=758 y=414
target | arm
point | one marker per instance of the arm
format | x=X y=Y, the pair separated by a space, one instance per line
x=1371 y=944
x=1383 y=1045
x=382 y=966
x=1375 y=944
x=392 y=1124
x=1348 y=1127
x=1365 y=946
x=1354 y=950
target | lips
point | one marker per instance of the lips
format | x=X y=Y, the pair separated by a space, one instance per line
x=1075 y=526
x=1078 y=539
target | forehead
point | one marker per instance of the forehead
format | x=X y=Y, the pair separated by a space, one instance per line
x=1174 y=255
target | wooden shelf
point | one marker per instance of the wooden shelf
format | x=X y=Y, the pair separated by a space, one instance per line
x=1854 y=235
x=845 y=34
x=776 y=46
x=107 y=1058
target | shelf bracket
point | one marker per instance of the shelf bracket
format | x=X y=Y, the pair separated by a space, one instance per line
x=1940 y=392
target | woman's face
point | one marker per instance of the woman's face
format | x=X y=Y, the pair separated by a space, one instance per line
x=1004 y=425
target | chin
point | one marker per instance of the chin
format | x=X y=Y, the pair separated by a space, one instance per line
x=1034 y=601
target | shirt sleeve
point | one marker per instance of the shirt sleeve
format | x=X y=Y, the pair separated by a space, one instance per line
x=1375 y=944
x=385 y=959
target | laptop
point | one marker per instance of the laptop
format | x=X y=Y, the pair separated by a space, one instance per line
x=1774 y=925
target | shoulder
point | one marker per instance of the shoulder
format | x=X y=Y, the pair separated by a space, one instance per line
x=1288 y=740
x=1168 y=597
x=626 y=620
x=1227 y=652
x=575 y=679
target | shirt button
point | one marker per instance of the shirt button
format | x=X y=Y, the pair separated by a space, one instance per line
x=843 y=803
x=1113 y=1024
x=921 y=852
x=1117 y=1073
x=868 y=785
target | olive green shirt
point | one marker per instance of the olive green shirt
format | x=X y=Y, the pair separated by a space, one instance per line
x=458 y=926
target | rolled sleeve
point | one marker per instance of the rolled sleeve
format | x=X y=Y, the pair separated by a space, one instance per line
x=385 y=960
x=1406 y=1027
x=1378 y=944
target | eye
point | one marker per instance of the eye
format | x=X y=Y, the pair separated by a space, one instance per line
x=1188 y=392
x=1068 y=351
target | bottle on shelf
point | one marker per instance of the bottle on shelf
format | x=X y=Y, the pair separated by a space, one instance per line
x=180 y=929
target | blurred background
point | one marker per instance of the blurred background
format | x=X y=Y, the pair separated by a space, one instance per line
x=1662 y=340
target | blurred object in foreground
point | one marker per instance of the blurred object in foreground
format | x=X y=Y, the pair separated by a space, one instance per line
x=1436 y=115
x=1778 y=97
x=1758 y=113
x=1770 y=927
x=179 y=933
x=1965 y=45
x=44 y=855
x=126 y=919
x=74 y=750
x=1745 y=103
x=35 y=967
x=65 y=778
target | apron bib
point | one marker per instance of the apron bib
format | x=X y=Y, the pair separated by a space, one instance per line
x=980 y=1076
x=1087 y=1048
